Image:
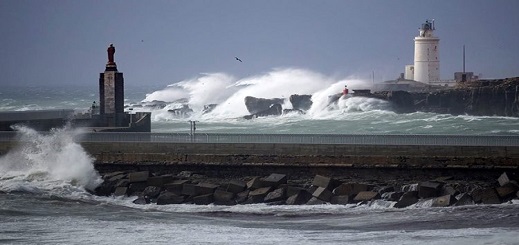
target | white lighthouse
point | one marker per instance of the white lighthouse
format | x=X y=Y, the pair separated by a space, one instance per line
x=426 y=55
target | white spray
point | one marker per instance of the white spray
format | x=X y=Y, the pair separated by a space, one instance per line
x=43 y=162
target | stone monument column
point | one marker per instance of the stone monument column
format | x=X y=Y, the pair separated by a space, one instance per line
x=111 y=93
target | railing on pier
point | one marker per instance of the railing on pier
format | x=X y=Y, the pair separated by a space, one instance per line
x=353 y=139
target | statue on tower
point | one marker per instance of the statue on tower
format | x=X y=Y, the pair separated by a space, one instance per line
x=111 y=52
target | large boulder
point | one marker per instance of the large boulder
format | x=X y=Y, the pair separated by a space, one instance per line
x=299 y=198
x=222 y=197
x=151 y=192
x=301 y=102
x=255 y=105
x=464 y=199
x=276 y=195
x=138 y=176
x=324 y=182
x=486 y=196
x=322 y=194
x=350 y=189
x=275 y=180
x=273 y=110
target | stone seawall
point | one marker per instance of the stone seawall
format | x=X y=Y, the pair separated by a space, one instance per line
x=224 y=160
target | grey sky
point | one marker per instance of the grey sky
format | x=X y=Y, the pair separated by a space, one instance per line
x=161 y=42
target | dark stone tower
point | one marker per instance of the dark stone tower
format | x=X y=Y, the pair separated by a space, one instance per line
x=111 y=94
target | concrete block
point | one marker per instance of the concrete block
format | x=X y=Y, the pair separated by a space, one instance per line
x=349 y=189
x=189 y=189
x=222 y=197
x=444 y=201
x=385 y=189
x=275 y=180
x=141 y=201
x=392 y=196
x=203 y=199
x=205 y=188
x=324 y=182
x=407 y=199
x=123 y=183
x=299 y=198
x=169 y=198
x=507 y=191
x=449 y=190
x=429 y=189
x=236 y=186
x=464 y=199
x=160 y=181
x=343 y=200
x=176 y=186
x=258 y=195
x=242 y=196
x=136 y=187
x=486 y=196
x=276 y=195
x=255 y=183
x=293 y=190
x=505 y=178
x=151 y=192
x=138 y=176
x=315 y=201
x=120 y=191
x=322 y=194
x=366 y=196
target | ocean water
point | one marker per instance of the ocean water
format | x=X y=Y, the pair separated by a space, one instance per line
x=43 y=183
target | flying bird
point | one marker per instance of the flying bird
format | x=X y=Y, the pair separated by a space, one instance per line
x=238 y=59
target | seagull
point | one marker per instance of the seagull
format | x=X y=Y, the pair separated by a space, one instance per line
x=238 y=59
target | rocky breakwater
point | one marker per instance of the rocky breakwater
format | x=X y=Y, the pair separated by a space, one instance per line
x=480 y=98
x=278 y=189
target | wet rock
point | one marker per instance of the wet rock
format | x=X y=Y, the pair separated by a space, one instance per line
x=121 y=191
x=151 y=192
x=449 y=190
x=255 y=183
x=203 y=199
x=350 y=189
x=301 y=102
x=486 y=196
x=138 y=176
x=258 y=195
x=410 y=187
x=105 y=189
x=407 y=199
x=315 y=201
x=176 y=186
x=322 y=194
x=255 y=105
x=444 y=201
x=505 y=178
x=275 y=180
x=167 y=197
x=205 y=188
x=122 y=183
x=507 y=191
x=299 y=198
x=366 y=196
x=464 y=199
x=189 y=189
x=392 y=196
x=236 y=186
x=429 y=189
x=136 y=187
x=340 y=200
x=209 y=108
x=222 y=197
x=160 y=181
x=141 y=200
x=242 y=197
x=324 y=182
x=385 y=189
x=276 y=195
x=185 y=174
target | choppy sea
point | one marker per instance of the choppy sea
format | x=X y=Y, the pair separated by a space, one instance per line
x=42 y=187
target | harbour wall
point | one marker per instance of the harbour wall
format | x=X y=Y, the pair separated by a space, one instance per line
x=229 y=159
